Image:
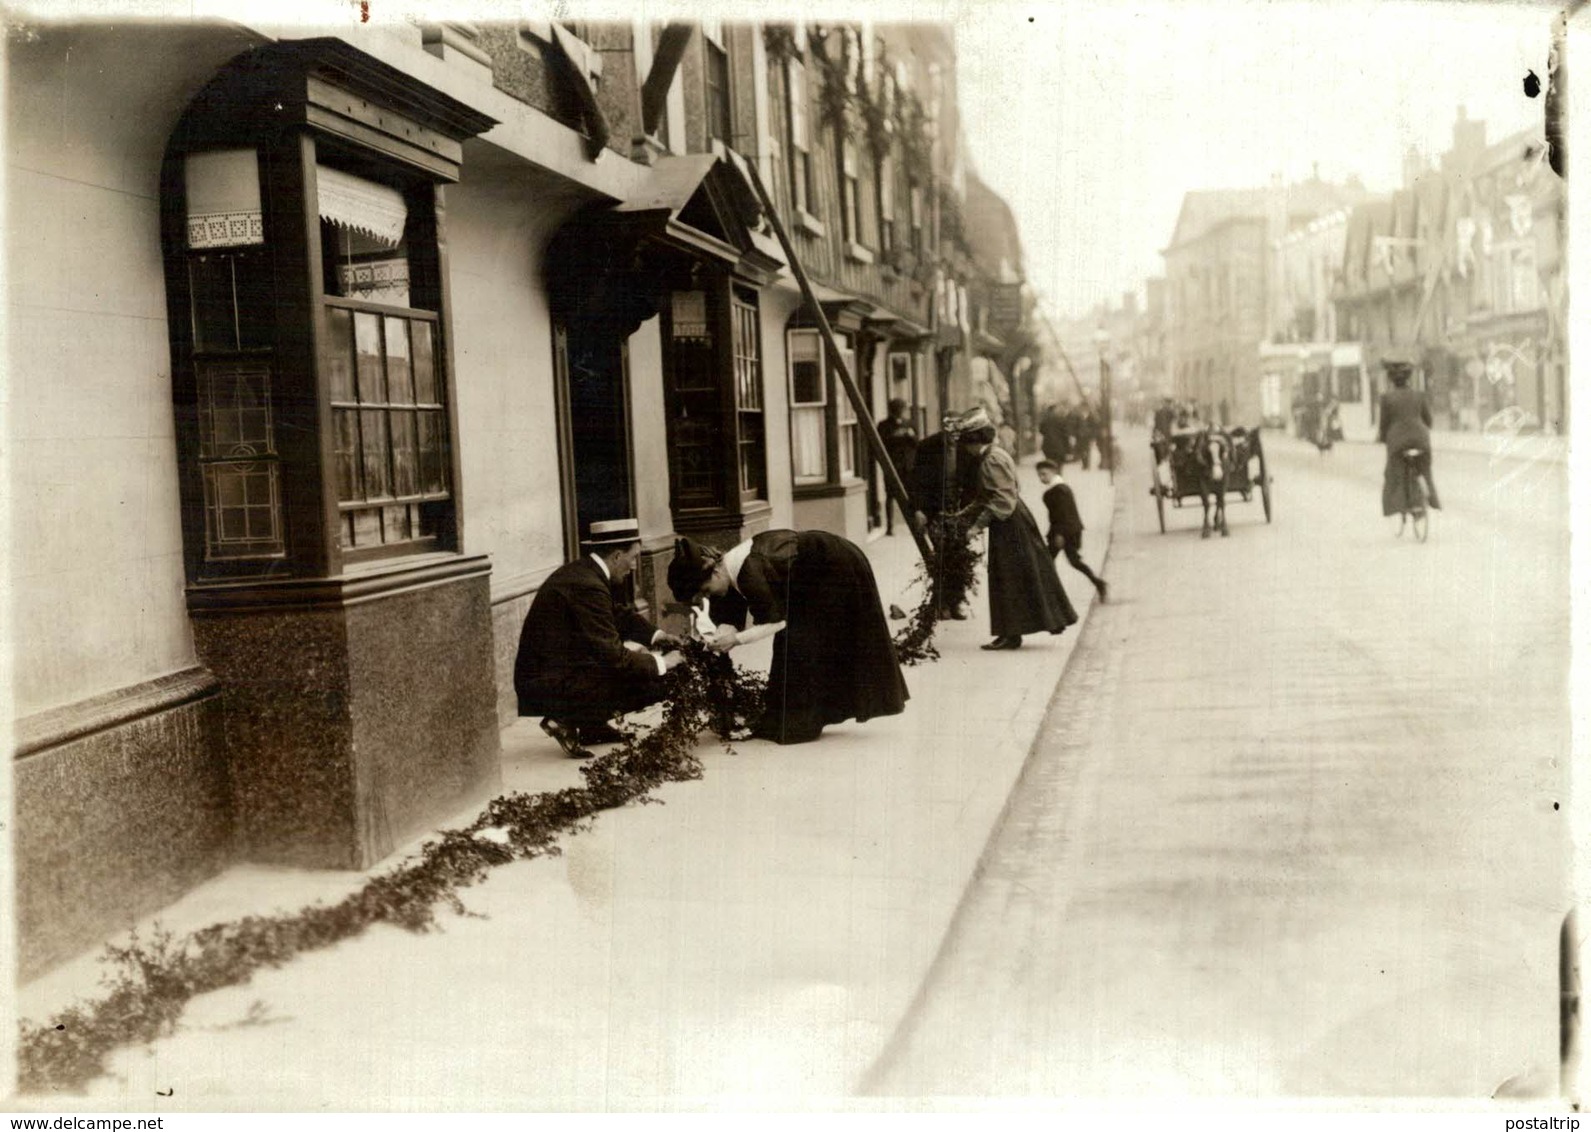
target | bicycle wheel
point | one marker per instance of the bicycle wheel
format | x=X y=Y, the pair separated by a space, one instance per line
x=1419 y=514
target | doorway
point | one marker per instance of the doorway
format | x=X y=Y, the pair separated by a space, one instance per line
x=595 y=373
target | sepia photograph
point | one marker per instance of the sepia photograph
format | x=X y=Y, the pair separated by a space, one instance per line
x=745 y=557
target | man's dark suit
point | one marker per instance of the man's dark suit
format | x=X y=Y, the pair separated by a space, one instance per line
x=572 y=665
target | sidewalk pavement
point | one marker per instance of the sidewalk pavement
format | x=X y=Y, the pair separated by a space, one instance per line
x=752 y=943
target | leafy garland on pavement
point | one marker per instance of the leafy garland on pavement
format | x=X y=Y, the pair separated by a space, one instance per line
x=947 y=577
x=149 y=983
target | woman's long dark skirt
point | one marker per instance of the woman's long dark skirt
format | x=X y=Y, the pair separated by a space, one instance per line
x=834 y=659
x=1025 y=593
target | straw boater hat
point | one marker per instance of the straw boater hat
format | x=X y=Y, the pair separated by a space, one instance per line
x=607 y=534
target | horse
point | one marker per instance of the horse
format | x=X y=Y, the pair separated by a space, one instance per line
x=1212 y=456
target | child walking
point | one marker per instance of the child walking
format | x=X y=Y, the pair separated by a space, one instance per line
x=1066 y=524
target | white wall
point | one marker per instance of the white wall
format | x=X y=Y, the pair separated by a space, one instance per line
x=96 y=540
x=775 y=306
x=503 y=381
x=649 y=431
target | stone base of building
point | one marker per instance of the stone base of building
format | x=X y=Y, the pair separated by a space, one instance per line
x=122 y=804
x=357 y=711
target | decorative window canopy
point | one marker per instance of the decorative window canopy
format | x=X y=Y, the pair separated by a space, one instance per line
x=363 y=206
x=336 y=90
x=223 y=192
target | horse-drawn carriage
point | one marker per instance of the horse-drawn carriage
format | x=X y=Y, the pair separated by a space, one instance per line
x=1208 y=464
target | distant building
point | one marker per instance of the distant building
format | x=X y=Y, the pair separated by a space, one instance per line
x=1218 y=267
x=1303 y=360
x=1465 y=263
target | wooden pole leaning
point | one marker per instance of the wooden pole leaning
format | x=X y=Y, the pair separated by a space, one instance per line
x=864 y=415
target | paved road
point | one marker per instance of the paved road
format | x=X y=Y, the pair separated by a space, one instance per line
x=1290 y=828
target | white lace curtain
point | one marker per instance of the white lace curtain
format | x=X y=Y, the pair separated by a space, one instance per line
x=361 y=205
x=223 y=191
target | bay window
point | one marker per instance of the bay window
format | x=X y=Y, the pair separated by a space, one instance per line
x=308 y=319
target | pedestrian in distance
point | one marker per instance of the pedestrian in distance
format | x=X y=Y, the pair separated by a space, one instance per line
x=815 y=594
x=573 y=666
x=900 y=444
x=1055 y=441
x=1083 y=429
x=1066 y=524
x=1025 y=593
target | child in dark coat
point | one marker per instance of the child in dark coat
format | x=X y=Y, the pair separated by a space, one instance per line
x=1066 y=524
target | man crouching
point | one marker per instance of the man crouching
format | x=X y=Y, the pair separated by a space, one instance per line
x=573 y=666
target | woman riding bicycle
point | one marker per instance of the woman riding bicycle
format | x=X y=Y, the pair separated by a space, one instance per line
x=1405 y=425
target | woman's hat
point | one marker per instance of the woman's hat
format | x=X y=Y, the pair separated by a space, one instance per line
x=608 y=533
x=973 y=420
x=689 y=569
x=1397 y=357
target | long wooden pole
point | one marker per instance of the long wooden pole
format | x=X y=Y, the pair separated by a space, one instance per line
x=864 y=413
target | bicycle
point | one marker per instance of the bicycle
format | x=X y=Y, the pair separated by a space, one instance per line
x=1414 y=513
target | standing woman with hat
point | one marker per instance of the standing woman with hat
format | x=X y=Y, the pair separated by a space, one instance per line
x=1025 y=593
x=814 y=592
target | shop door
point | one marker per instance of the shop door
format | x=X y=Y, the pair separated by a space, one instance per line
x=595 y=370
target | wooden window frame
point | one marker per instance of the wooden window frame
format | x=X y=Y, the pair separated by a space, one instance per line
x=885 y=174
x=798 y=113
x=807 y=406
x=849 y=167
x=843 y=456
x=746 y=323
x=726 y=305
x=300 y=403
x=715 y=55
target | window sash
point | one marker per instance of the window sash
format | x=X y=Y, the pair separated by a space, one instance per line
x=808 y=444
x=717 y=82
x=805 y=346
x=389 y=422
x=797 y=84
x=751 y=446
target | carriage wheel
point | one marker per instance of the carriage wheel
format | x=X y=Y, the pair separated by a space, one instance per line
x=1265 y=483
x=1160 y=496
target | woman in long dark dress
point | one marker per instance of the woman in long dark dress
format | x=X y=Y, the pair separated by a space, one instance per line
x=833 y=659
x=1025 y=594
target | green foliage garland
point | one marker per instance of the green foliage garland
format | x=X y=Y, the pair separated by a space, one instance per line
x=948 y=576
x=148 y=984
